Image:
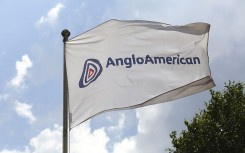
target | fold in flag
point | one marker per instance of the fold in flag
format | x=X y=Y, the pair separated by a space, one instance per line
x=130 y=64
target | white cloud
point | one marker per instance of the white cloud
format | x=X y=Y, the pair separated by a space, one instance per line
x=21 y=67
x=152 y=132
x=24 y=110
x=49 y=140
x=82 y=140
x=128 y=145
x=51 y=16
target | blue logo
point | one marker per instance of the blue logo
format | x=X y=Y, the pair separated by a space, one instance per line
x=91 y=71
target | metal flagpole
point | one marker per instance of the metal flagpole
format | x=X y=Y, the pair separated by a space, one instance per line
x=66 y=129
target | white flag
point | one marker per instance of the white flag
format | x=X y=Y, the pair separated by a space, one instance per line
x=130 y=64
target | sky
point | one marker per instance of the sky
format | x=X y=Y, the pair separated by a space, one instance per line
x=31 y=77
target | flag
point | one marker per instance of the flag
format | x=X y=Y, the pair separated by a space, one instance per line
x=130 y=64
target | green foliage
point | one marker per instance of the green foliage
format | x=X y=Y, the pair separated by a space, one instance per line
x=219 y=128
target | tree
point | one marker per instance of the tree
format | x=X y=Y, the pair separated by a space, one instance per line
x=219 y=128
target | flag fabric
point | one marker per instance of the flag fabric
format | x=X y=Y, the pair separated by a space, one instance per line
x=130 y=64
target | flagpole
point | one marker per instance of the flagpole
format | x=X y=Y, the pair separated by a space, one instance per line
x=66 y=129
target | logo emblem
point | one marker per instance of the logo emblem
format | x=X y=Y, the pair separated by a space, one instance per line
x=91 y=71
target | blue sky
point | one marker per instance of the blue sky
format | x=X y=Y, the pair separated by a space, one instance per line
x=31 y=72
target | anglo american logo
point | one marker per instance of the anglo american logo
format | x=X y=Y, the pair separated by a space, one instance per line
x=93 y=68
x=91 y=71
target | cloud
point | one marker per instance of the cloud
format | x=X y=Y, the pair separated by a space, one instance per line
x=52 y=15
x=24 y=110
x=48 y=140
x=21 y=67
x=82 y=140
x=128 y=145
x=152 y=131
